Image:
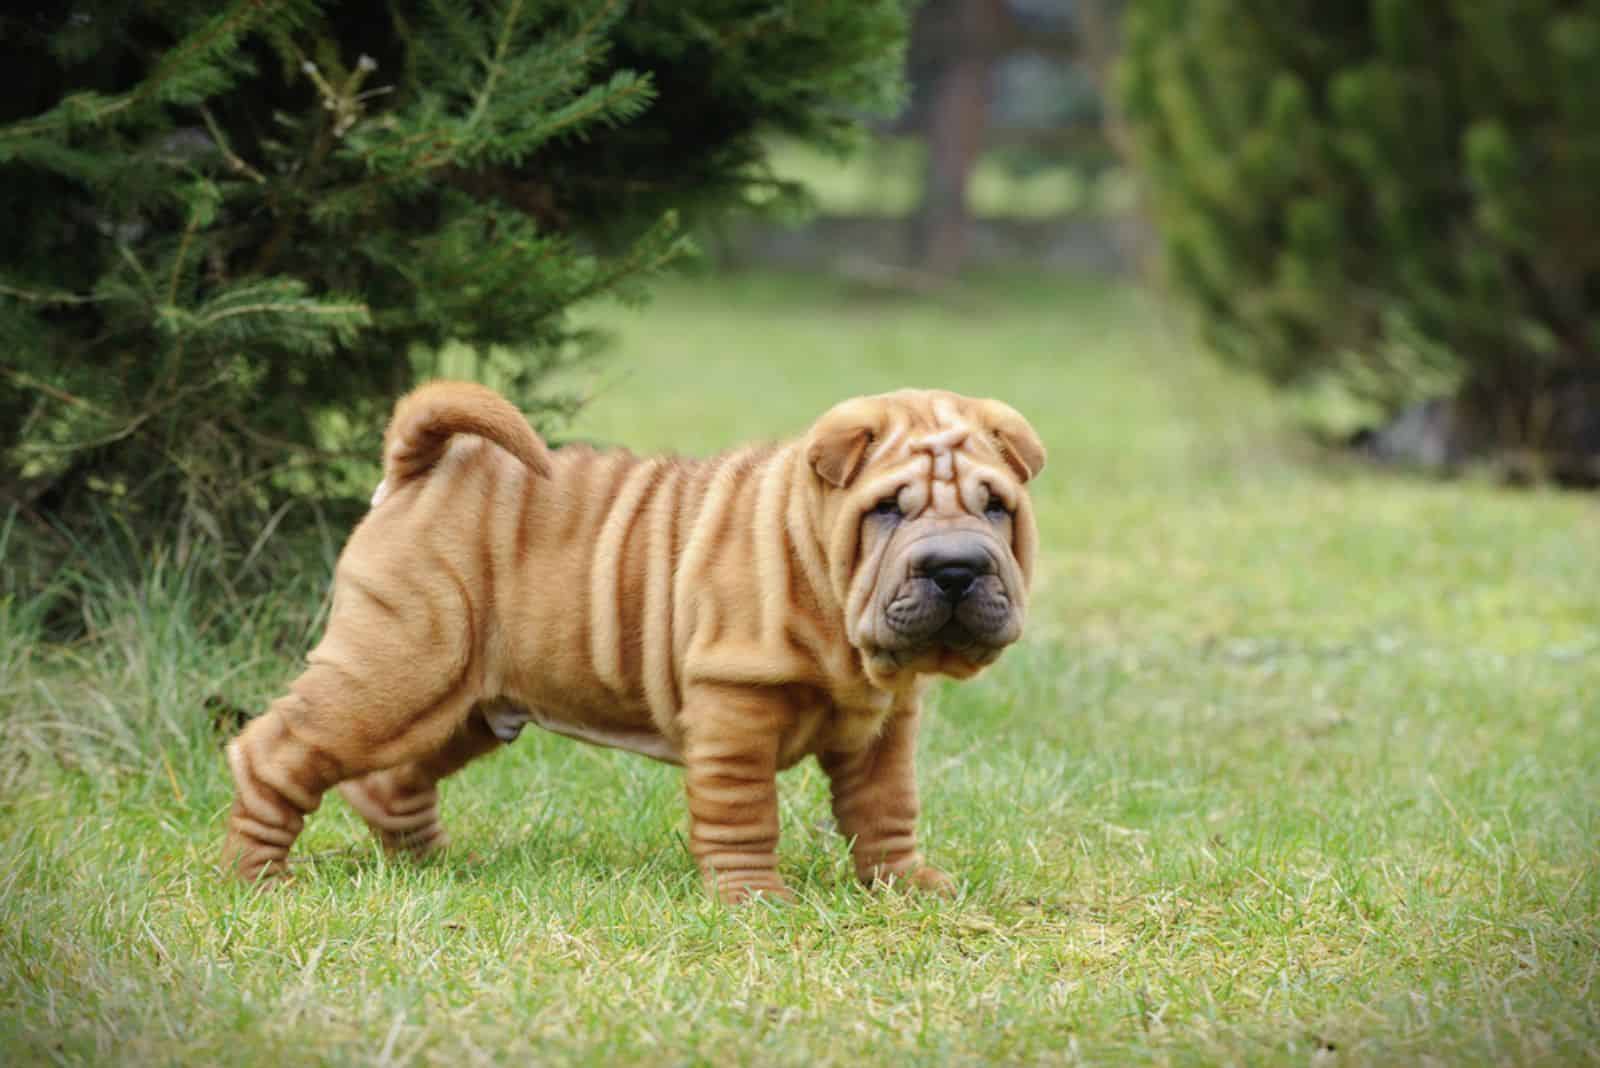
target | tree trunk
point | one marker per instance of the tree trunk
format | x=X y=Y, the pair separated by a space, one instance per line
x=965 y=34
x=1100 y=22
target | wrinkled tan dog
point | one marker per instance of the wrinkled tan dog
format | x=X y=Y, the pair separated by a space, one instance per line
x=731 y=615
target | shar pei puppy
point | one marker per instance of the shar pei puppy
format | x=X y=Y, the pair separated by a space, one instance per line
x=732 y=615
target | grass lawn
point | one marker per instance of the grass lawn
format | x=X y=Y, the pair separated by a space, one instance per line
x=1297 y=763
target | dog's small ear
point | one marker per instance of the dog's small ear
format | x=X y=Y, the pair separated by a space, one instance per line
x=836 y=457
x=1016 y=439
x=838 y=443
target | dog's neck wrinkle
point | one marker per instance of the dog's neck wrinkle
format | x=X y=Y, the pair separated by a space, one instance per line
x=806 y=530
x=807 y=548
x=803 y=530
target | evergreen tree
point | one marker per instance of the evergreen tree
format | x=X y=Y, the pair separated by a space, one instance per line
x=233 y=231
x=1401 y=194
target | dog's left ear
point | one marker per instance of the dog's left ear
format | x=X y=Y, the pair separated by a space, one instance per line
x=1015 y=438
x=838 y=443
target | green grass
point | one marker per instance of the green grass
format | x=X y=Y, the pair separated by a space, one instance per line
x=1298 y=763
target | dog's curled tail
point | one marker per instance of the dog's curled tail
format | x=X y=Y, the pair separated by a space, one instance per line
x=427 y=418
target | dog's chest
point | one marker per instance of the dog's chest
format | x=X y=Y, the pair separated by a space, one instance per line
x=826 y=726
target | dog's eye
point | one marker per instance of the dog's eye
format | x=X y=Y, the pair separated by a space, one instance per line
x=889 y=506
x=996 y=508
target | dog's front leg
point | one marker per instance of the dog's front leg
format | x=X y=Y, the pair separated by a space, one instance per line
x=875 y=806
x=731 y=737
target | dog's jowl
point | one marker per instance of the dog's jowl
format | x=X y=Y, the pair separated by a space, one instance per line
x=731 y=615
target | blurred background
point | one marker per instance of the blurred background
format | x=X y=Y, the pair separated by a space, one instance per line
x=1004 y=153
x=1278 y=256
x=238 y=234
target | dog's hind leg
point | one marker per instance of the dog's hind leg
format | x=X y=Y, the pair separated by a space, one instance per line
x=345 y=717
x=401 y=804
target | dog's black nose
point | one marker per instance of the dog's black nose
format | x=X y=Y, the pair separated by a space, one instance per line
x=954 y=575
x=953 y=580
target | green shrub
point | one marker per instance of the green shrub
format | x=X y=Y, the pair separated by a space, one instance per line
x=231 y=228
x=1399 y=195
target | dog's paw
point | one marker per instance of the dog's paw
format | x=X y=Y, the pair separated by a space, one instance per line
x=253 y=870
x=934 y=881
x=924 y=878
x=739 y=887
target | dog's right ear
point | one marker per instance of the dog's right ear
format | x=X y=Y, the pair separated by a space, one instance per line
x=1016 y=439
x=838 y=443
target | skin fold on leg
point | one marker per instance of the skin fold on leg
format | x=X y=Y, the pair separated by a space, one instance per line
x=875 y=806
x=731 y=769
x=344 y=717
x=401 y=804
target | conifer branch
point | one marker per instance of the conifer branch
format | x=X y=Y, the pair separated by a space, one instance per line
x=33 y=296
x=170 y=67
x=299 y=307
x=28 y=381
x=183 y=249
x=496 y=63
x=220 y=139
x=602 y=102
x=588 y=26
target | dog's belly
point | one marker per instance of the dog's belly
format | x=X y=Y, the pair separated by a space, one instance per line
x=644 y=742
x=506 y=718
x=814 y=729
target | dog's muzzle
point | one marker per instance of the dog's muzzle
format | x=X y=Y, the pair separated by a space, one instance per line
x=952 y=596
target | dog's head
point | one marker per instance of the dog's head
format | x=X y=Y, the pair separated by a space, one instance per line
x=928 y=531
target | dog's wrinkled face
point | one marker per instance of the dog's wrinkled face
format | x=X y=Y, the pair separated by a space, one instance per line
x=928 y=529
